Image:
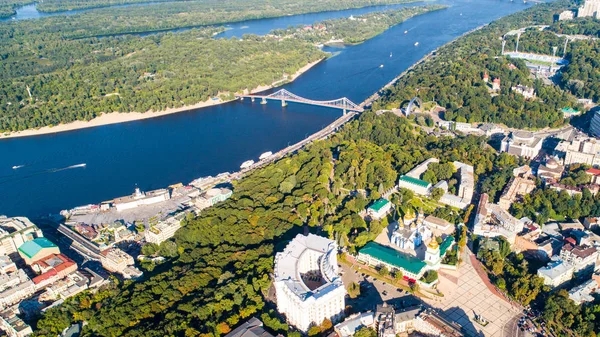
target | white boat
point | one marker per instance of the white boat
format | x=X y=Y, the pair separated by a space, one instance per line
x=390 y=54
x=265 y=155
x=16 y=167
x=416 y=43
x=406 y=32
x=381 y=66
x=78 y=165
x=247 y=164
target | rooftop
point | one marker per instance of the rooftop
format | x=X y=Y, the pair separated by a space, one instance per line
x=394 y=257
x=379 y=204
x=251 y=328
x=415 y=181
x=555 y=269
x=31 y=248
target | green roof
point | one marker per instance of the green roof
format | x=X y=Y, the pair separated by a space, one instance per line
x=393 y=257
x=446 y=244
x=379 y=204
x=415 y=181
x=31 y=248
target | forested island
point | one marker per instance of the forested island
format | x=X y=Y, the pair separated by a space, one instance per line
x=78 y=79
x=7 y=7
x=453 y=77
x=354 y=30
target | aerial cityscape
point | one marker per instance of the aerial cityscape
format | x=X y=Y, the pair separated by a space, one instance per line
x=368 y=168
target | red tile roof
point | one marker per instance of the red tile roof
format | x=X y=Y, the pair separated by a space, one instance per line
x=593 y=171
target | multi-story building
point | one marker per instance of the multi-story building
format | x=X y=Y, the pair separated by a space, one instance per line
x=212 y=197
x=521 y=184
x=582 y=257
x=584 y=292
x=353 y=323
x=556 y=273
x=414 y=184
x=522 y=144
x=415 y=319
x=439 y=227
x=164 y=230
x=551 y=170
x=37 y=249
x=307 y=284
x=14 y=232
x=595 y=124
x=492 y=220
x=590 y=8
x=525 y=91
x=379 y=208
x=580 y=150
x=565 y=15
x=115 y=260
x=14 y=288
x=466 y=185
x=52 y=269
x=13 y=325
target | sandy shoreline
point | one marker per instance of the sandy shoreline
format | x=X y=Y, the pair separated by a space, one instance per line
x=122 y=117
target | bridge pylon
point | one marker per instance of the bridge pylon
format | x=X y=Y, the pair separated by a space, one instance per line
x=283 y=103
x=252 y=99
x=263 y=101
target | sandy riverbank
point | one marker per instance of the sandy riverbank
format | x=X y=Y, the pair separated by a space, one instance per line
x=122 y=117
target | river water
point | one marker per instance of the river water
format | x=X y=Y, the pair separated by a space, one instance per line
x=157 y=152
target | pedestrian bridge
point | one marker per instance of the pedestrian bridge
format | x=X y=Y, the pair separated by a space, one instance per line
x=285 y=96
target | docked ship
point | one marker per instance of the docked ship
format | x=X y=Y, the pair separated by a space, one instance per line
x=265 y=155
x=247 y=164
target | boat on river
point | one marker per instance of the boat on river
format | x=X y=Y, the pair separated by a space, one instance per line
x=416 y=43
x=247 y=164
x=265 y=155
x=16 y=167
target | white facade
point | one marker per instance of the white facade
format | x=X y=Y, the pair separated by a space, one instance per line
x=589 y=8
x=307 y=284
x=140 y=198
x=14 y=232
x=115 y=260
x=163 y=231
x=583 y=293
x=522 y=143
x=581 y=150
x=492 y=220
x=556 y=273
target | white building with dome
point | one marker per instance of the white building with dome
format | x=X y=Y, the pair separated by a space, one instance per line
x=307 y=284
x=522 y=144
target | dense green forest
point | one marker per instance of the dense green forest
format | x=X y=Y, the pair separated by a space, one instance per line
x=48 y=77
x=578 y=26
x=354 y=30
x=7 y=7
x=453 y=78
x=226 y=254
x=172 y=15
x=50 y=6
x=152 y=73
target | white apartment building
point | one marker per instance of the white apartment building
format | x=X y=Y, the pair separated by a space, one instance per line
x=14 y=288
x=582 y=257
x=556 y=273
x=14 y=232
x=584 y=292
x=522 y=144
x=164 y=230
x=307 y=284
x=589 y=8
x=13 y=325
x=115 y=260
x=580 y=150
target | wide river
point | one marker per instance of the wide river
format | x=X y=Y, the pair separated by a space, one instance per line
x=157 y=152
